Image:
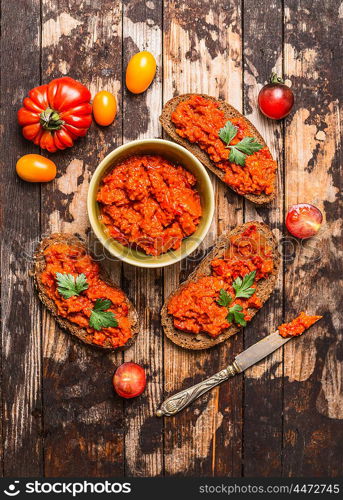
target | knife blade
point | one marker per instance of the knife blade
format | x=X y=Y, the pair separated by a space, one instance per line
x=244 y=360
x=260 y=350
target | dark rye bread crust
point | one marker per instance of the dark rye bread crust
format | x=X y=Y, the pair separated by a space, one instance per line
x=230 y=112
x=72 y=328
x=263 y=290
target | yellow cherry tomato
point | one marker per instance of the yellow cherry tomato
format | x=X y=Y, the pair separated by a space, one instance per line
x=35 y=168
x=140 y=72
x=104 y=108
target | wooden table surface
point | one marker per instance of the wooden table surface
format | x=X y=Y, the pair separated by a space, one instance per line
x=284 y=416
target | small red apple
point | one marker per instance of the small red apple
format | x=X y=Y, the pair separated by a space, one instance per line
x=129 y=380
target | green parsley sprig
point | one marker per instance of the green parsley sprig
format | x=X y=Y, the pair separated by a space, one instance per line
x=225 y=298
x=68 y=285
x=242 y=287
x=238 y=152
x=101 y=318
x=235 y=315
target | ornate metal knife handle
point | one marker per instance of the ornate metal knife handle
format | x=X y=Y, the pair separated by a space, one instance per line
x=180 y=400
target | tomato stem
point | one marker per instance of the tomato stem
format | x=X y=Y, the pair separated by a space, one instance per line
x=274 y=78
x=50 y=119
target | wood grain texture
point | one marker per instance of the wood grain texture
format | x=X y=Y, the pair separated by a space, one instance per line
x=197 y=41
x=263 y=52
x=227 y=449
x=20 y=222
x=83 y=421
x=313 y=366
x=144 y=437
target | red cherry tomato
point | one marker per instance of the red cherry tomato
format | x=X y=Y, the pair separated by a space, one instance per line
x=275 y=99
x=303 y=220
x=129 y=380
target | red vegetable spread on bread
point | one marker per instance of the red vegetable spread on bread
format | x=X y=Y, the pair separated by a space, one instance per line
x=298 y=325
x=251 y=170
x=148 y=202
x=212 y=303
x=71 y=279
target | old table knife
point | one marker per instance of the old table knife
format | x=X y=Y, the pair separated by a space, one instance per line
x=247 y=358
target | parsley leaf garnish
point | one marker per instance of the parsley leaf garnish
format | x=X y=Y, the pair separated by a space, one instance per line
x=242 y=286
x=68 y=286
x=228 y=132
x=236 y=315
x=225 y=298
x=237 y=157
x=248 y=145
x=238 y=152
x=100 y=318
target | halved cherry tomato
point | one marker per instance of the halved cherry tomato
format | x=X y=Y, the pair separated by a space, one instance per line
x=129 y=380
x=104 y=108
x=35 y=168
x=304 y=220
x=140 y=72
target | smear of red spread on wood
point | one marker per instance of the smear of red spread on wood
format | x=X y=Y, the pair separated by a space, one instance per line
x=195 y=308
x=68 y=259
x=148 y=202
x=199 y=120
x=298 y=325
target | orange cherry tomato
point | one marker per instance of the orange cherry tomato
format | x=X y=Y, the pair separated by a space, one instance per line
x=104 y=108
x=35 y=168
x=140 y=72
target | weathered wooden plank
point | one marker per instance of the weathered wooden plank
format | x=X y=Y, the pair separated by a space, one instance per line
x=144 y=437
x=227 y=447
x=21 y=340
x=83 y=423
x=199 y=42
x=313 y=385
x=263 y=382
x=83 y=420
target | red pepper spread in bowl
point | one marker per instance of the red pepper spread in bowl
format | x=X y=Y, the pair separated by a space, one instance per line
x=298 y=325
x=212 y=303
x=74 y=261
x=148 y=202
x=199 y=120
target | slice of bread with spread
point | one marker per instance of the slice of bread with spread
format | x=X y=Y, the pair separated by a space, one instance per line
x=82 y=333
x=230 y=113
x=264 y=288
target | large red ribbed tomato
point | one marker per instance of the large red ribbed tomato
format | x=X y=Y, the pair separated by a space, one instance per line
x=56 y=114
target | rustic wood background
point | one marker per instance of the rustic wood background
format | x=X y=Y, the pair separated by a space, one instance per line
x=284 y=416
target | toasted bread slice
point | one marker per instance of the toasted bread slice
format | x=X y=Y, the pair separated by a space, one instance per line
x=230 y=112
x=263 y=290
x=72 y=328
